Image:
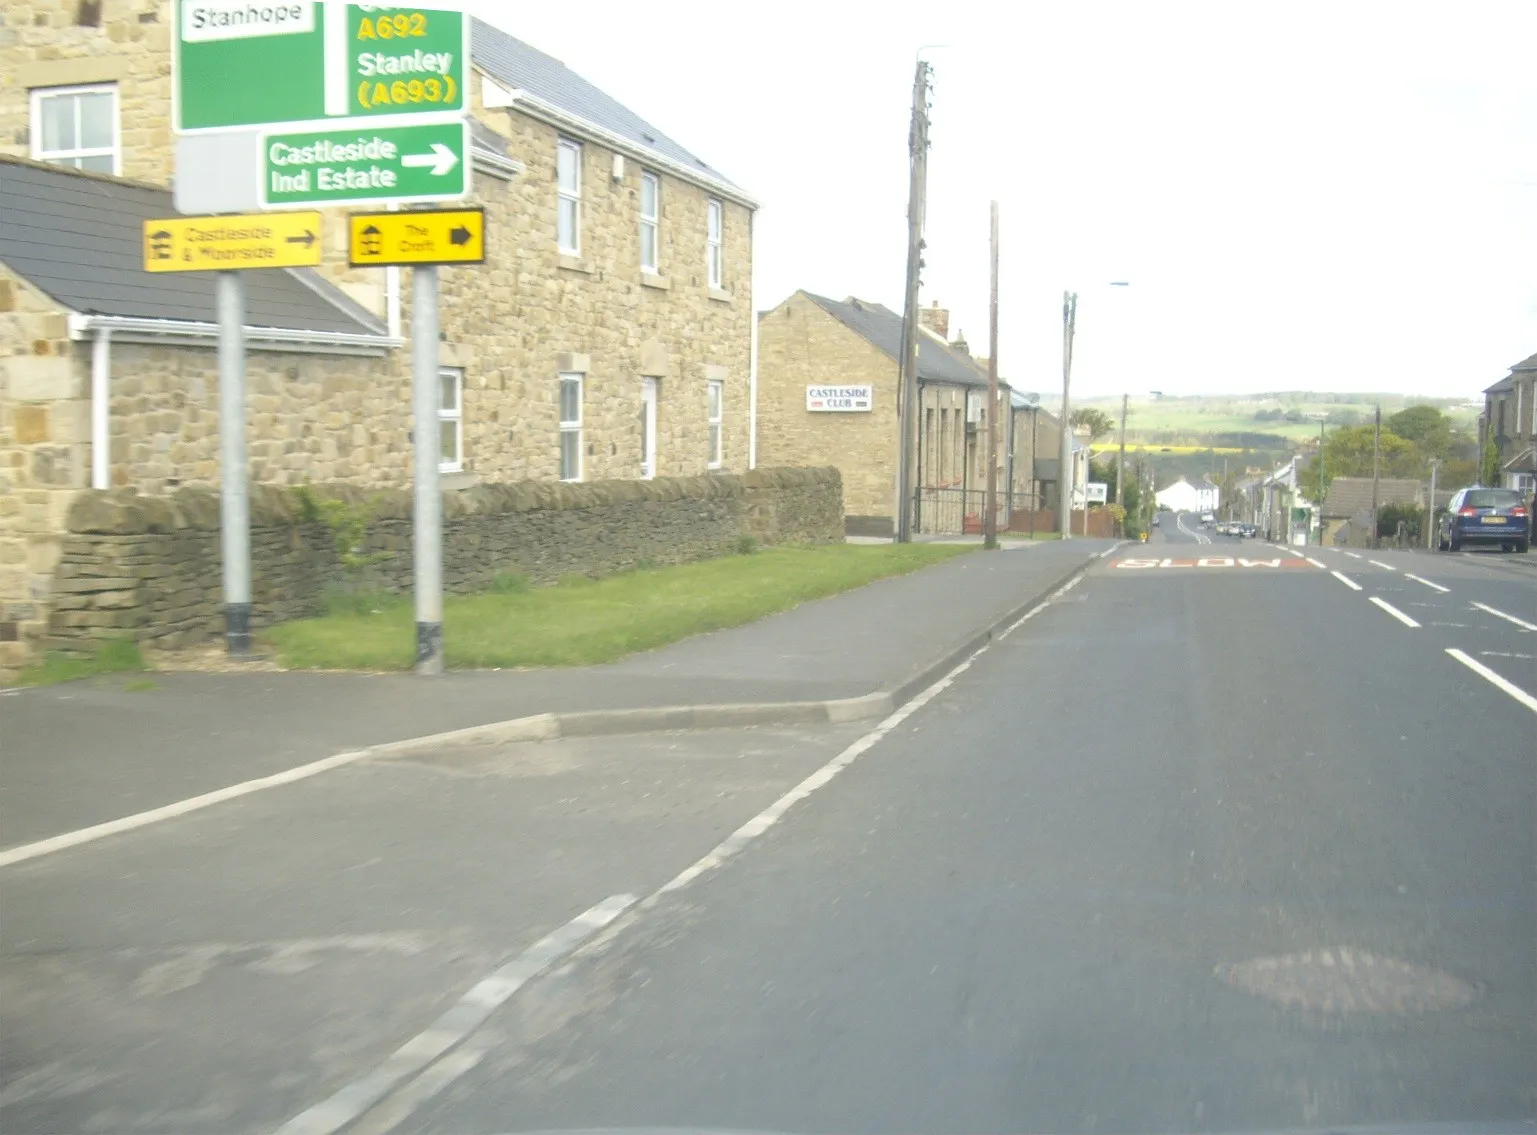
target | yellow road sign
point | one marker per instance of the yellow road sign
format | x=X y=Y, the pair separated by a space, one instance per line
x=419 y=236
x=253 y=240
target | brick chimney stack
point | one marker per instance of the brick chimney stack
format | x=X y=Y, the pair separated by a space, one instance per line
x=936 y=319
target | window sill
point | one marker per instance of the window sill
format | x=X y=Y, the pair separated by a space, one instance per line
x=652 y=280
x=452 y=480
x=575 y=264
x=720 y=295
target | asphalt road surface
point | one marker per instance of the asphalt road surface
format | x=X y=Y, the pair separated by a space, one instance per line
x=1227 y=838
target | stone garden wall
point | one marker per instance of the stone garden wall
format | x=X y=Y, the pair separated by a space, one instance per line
x=149 y=567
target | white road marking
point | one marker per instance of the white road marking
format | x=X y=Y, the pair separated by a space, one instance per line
x=1395 y=612
x=1346 y=580
x=1427 y=583
x=458 y=1022
x=1505 y=654
x=1318 y=564
x=169 y=811
x=1353 y=555
x=1522 y=623
x=1489 y=675
x=1383 y=566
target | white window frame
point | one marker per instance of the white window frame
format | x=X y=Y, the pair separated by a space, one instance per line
x=72 y=157
x=570 y=425
x=650 y=394
x=574 y=195
x=651 y=222
x=714 y=238
x=715 y=416
x=456 y=416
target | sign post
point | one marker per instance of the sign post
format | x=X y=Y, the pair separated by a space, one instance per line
x=427 y=498
x=234 y=503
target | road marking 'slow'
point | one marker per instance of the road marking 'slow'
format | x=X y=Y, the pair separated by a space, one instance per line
x=1395 y=612
x=1427 y=583
x=1522 y=623
x=1383 y=566
x=1346 y=580
x=1489 y=675
x=1318 y=564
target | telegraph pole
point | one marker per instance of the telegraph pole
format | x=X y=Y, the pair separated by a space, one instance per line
x=990 y=507
x=1376 y=472
x=1065 y=457
x=1430 y=526
x=1120 y=467
x=907 y=371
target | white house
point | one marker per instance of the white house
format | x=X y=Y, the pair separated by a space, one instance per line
x=1182 y=496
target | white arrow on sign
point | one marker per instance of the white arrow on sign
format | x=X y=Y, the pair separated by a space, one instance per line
x=442 y=159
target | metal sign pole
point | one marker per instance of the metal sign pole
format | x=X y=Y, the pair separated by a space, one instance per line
x=427 y=511
x=235 y=504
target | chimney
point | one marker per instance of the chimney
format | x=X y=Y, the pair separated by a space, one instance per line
x=936 y=319
x=960 y=344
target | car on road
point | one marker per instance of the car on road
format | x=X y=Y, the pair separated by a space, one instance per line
x=1478 y=515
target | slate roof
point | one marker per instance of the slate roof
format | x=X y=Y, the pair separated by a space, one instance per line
x=1349 y=496
x=517 y=65
x=882 y=327
x=1509 y=381
x=80 y=238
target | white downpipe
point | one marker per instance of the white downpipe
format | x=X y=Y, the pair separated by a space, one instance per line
x=752 y=356
x=101 y=409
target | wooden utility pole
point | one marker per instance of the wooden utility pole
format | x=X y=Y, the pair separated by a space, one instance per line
x=1120 y=465
x=907 y=371
x=990 y=506
x=1376 y=473
x=1065 y=454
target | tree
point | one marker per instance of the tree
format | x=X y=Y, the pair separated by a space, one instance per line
x=1430 y=431
x=1348 y=453
x=1092 y=421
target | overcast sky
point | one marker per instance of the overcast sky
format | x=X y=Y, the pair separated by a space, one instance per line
x=1328 y=196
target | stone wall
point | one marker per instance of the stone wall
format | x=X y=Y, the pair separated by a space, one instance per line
x=150 y=566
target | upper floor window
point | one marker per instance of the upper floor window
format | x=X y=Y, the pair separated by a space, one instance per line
x=650 y=220
x=713 y=255
x=76 y=126
x=568 y=183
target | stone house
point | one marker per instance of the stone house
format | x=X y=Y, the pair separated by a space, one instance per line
x=1347 y=510
x=608 y=335
x=810 y=343
x=1510 y=418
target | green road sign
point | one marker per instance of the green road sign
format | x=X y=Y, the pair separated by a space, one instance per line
x=366 y=164
x=283 y=62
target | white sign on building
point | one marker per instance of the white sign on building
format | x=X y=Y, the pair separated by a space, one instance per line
x=839 y=399
x=1098 y=492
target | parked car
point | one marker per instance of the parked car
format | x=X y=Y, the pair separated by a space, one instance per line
x=1478 y=515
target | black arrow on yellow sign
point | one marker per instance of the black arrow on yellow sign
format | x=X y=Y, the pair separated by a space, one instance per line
x=459 y=235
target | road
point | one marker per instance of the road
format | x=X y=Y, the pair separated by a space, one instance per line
x=1269 y=864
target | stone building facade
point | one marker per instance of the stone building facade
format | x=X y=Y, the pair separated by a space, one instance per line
x=659 y=354
x=811 y=341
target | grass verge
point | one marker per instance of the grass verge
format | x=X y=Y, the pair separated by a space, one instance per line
x=117 y=657
x=581 y=622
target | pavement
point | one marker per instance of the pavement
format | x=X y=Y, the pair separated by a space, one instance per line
x=1266 y=864
x=86 y=753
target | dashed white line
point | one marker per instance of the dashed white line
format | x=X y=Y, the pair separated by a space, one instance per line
x=1318 y=564
x=1395 y=612
x=1489 y=675
x=1522 y=623
x=1346 y=580
x=1427 y=583
x=1354 y=555
x=1505 y=654
x=1383 y=566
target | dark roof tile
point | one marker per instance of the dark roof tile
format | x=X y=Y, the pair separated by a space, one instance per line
x=883 y=327
x=80 y=238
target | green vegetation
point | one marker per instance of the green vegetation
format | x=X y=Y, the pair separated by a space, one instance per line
x=116 y=657
x=582 y=621
x=1410 y=440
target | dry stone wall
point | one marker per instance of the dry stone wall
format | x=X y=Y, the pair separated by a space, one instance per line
x=149 y=567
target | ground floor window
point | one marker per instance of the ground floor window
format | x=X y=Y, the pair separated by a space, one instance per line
x=570 y=427
x=715 y=415
x=450 y=420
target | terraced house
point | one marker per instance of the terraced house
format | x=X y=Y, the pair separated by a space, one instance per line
x=608 y=334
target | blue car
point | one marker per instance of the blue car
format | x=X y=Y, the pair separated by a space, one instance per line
x=1485 y=516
